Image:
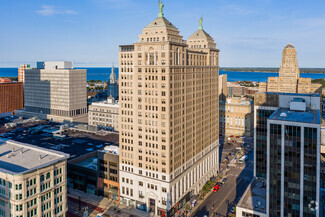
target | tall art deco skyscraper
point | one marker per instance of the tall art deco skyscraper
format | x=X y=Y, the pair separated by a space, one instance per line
x=168 y=116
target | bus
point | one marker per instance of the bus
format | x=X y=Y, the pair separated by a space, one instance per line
x=243 y=158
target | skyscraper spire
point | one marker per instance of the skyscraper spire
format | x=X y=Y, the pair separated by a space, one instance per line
x=113 y=76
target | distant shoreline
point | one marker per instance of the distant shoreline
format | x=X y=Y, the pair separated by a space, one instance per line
x=271 y=70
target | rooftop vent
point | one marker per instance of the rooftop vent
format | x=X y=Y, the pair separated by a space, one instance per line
x=284 y=115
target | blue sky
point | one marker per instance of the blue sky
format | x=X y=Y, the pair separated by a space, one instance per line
x=88 y=32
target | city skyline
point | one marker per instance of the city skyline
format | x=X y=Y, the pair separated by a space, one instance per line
x=248 y=33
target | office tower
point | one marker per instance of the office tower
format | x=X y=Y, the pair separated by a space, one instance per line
x=168 y=116
x=11 y=96
x=32 y=180
x=264 y=106
x=112 y=85
x=289 y=80
x=21 y=72
x=223 y=90
x=55 y=91
x=293 y=157
x=236 y=117
x=290 y=175
x=104 y=114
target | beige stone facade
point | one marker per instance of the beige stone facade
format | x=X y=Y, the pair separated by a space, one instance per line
x=236 y=117
x=55 y=91
x=104 y=114
x=168 y=116
x=223 y=89
x=289 y=80
x=32 y=181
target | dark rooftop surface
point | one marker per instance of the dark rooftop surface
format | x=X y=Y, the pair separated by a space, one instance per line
x=75 y=143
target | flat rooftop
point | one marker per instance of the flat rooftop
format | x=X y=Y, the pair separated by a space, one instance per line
x=90 y=163
x=285 y=114
x=292 y=94
x=254 y=197
x=75 y=143
x=17 y=157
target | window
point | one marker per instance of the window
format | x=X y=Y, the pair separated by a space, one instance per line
x=42 y=178
x=19 y=207
x=19 y=186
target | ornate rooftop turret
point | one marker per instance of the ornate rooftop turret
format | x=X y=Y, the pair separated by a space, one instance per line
x=201 y=39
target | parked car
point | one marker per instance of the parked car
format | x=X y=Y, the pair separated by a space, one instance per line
x=219 y=183
x=216 y=188
x=224 y=180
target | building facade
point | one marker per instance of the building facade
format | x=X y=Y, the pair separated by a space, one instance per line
x=55 y=91
x=293 y=157
x=83 y=173
x=108 y=172
x=236 y=117
x=21 y=72
x=104 y=114
x=112 y=85
x=287 y=155
x=289 y=80
x=223 y=90
x=168 y=116
x=11 y=96
x=32 y=181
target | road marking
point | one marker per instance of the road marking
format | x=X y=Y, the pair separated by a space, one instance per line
x=240 y=179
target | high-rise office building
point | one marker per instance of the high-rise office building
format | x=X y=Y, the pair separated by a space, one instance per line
x=21 y=72
x=33 y=180
x=168 y=116
x=289 y=80
x=55 y=91
x=112 y=85
x=289 y=159
x=293 y=157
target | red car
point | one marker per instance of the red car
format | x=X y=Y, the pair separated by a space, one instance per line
x=216 y=188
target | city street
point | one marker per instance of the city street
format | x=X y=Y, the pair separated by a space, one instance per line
x=238 y=178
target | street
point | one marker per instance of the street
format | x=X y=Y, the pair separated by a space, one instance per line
x=238 y=178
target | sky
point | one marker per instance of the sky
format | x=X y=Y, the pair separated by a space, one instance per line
x=249 y=33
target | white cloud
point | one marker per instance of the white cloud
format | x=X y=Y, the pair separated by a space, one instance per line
x=48 y=10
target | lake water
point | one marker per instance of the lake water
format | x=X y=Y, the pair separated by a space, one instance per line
x=103 y=74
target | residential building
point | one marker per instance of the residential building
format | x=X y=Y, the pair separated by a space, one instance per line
x=11 y=97
x=21 y=72
x=104 y=114
x=169 y=113
x=32 y=180
x=223 y=90
x=287 y=152
x=236 y=117
x=113 y=85
x=108 y=172
x=55 y=91
x=289 y=80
